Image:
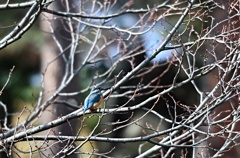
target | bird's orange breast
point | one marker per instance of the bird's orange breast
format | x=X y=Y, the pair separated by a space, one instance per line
x=95 y=105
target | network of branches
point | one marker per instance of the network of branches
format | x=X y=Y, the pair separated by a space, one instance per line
x=172 y=68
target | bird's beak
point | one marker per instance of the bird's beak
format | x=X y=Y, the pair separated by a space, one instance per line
x=104 y=88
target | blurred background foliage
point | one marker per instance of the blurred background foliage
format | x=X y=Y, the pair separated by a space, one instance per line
x=23 y=86
x=22 y=90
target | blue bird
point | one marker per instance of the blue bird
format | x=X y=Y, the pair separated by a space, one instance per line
x=94 y=99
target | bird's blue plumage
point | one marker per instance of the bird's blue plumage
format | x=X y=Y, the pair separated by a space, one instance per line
x=94 y=98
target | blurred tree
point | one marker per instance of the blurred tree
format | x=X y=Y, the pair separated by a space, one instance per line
x=54 y=73
x=172 y=68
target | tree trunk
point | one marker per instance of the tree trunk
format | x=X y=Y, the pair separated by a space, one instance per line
x=53 y=69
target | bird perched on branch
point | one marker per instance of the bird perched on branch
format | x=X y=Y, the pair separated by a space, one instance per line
x=94 y=99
